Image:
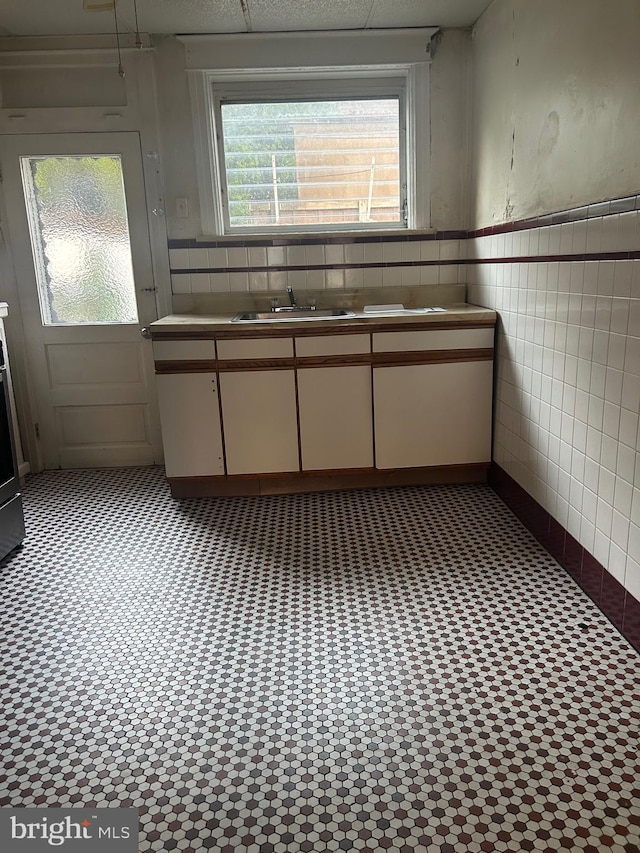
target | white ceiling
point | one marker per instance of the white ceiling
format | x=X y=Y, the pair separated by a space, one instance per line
x=68 y=17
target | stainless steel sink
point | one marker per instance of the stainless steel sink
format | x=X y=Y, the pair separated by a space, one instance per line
x=293 y=314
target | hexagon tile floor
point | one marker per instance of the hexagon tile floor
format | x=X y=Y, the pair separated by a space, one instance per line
x=401 y=670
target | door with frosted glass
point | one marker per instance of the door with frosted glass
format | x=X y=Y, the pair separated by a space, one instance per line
x=79 y=240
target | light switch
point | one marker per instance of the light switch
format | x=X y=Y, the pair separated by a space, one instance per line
x=182 y=208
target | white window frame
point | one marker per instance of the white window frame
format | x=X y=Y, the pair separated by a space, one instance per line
x=309 y=90
x=408 y=81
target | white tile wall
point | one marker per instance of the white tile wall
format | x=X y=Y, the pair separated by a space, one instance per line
x=568 y=390
x=237 y=256
x=218 y=258
x=295 y=256
x=388 y=253
x=257 y=256
x=238 y=282
x=198 y=258
x=179 y=258
x=220 y=282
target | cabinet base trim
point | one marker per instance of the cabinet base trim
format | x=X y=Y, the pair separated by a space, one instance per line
x=323 y=481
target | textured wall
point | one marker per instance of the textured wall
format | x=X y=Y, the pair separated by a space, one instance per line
x=557 y=123
x=450 y=111
x=556 y=106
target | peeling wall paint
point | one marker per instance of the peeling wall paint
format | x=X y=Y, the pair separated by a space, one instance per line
x=450 y=153
x=556 y=106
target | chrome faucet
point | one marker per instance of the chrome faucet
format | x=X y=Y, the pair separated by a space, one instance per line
x=293 y=304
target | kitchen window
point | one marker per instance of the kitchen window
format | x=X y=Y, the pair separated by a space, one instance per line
x=311 y=164
x=321 y=151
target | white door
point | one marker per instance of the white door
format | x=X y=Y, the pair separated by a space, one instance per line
x=79 y=239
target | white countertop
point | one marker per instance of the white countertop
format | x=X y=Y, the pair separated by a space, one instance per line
x=457 y=313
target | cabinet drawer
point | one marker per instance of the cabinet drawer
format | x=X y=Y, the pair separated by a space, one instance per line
x=438 y=339
x=255 y=348
x=183 y=350
x=338 y=345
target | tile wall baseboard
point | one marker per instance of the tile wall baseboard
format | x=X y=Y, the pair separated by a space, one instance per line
x=616 y=603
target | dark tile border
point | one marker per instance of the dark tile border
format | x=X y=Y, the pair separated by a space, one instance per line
x=573 y=214
x=587 y=211
x=528 y=259
x=305 y=267
x=617 y=604
x=541 y=259
x=613 y=601
x=631 y=623
x=314 y=240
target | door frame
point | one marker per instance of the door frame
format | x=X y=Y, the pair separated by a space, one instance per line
x=156 y=238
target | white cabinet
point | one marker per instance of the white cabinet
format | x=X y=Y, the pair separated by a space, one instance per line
x=260 y=424
x=255 y=407
x=433 y=414
x=248 y=349
x=432 y=340
x=334 y=403
x=432 y=392
x=190 y=418
x=184 y=350
x=258 y=405
x=335 y=417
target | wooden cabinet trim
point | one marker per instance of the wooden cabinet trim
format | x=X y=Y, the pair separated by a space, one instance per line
x=442 y=356
x=296 y=332
x=355 y=360
x=378 y=359
x=186 y=366
x=202 y=335
x=252 y=364
x=324 y=481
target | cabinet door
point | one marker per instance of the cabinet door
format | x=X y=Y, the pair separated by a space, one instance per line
x=260 y=423
x=336 y=429
x=190 y=420
x=433 y=414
